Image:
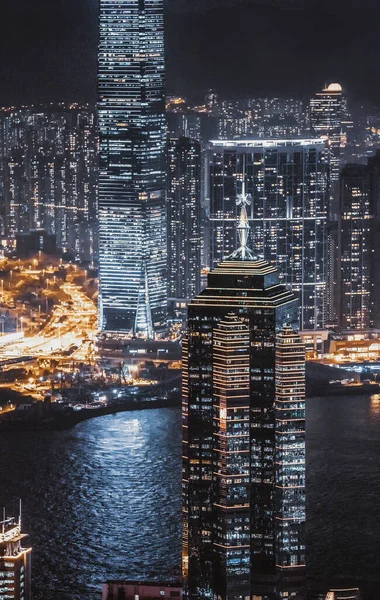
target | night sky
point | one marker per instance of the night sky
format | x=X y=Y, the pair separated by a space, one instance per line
x=239 y=47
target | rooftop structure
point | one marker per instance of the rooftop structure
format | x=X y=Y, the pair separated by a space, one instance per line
x=15 y=561
x=138 y=590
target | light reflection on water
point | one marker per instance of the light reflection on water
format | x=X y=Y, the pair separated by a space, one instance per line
x=103 y=499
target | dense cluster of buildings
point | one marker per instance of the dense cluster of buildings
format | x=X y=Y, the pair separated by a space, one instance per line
x=48 y=176
x=311 y=174
x=253 y=194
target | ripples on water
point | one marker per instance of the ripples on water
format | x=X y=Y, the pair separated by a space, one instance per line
x=343 y=488
x=103 y=499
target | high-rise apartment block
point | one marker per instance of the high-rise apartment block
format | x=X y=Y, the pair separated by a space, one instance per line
x=287 y=182
x=132 y=130
x=48 y=176
x=243 y=435
x=184 y=218
x=15 y=562
x=326 y=112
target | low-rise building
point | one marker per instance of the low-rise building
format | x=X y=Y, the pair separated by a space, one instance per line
x=138 y=590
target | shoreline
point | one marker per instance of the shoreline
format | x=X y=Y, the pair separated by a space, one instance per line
x=49 y=419
x=63 y=420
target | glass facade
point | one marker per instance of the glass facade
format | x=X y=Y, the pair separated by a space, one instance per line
x=288 y=184
x=132 y=130
x=233 y=482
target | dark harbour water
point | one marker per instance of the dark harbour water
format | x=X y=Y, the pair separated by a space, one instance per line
x=103 y=499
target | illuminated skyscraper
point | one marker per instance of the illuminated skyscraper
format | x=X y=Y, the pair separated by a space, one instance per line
x=359 y=245
x=290 y=449
x=357 y=259
x=326 y=113
x=184 y=218
x=243 y=435
x=287 y=182
x=15 y=562
x=132 y=210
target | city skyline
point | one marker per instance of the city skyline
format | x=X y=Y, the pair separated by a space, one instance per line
x=195 y=246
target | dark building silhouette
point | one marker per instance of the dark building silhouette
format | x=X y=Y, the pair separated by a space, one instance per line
x=30 y=243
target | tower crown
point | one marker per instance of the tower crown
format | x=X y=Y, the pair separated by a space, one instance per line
x=243 y=252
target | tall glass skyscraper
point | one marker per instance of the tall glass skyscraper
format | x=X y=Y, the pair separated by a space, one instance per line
x=287 y=182
x=132 y=212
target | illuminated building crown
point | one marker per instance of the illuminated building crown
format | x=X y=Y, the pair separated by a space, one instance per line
x=243 y=252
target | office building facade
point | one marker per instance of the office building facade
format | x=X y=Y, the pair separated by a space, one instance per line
x=132 y=131
x=184 y=218
x=243 y=435
x=15 y=561
x=287 y=183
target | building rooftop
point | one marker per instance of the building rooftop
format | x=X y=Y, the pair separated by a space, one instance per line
x=244 y=283
x=269 y=143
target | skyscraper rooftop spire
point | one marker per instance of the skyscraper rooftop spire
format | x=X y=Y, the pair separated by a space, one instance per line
x=243 y=252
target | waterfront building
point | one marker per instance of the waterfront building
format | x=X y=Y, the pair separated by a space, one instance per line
x=132 y=131
x=136 y=590
x=243 y=434
x=326 y=112
x=184 y=218
x=15 y=561
x=287 y=181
